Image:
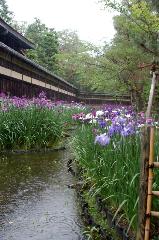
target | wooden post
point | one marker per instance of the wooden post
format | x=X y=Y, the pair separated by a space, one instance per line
x=151 y=95
x=145 y=149
x=150 y=183
x=145 y=152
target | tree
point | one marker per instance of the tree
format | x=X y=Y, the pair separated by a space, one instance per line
x=4 y=12
x=20 y=26
x=46 y=44
x=85 y=65
x=154 y=4
x=135 y=42
x=141 y=22
x=8 y=17
x=74 y=54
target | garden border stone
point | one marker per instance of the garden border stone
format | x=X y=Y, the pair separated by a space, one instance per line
x=19 y=151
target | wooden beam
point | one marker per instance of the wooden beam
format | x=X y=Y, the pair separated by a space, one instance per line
x=151 y=96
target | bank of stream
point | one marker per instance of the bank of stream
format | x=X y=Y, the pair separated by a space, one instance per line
x=35 y=201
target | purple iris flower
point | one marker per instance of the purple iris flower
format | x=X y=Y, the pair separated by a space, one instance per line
x=128 y=130
x=111 y=130
x=102 y=123
x=114 y=128
x=20 y=102
x=149 y=120
x=42 y=95
x=93 y=112
x=102 y=139
x=122 y=120
x=2 y=95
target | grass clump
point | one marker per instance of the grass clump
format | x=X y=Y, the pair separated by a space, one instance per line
x=33 y=123
x=113 y=170
x=29 y=128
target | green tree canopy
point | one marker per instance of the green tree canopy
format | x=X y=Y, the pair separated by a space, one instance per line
x=46 y=44
x=5 y=14
x=74 y=57
x=135 y=42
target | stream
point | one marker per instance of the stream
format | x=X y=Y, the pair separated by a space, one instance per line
x=35 y=201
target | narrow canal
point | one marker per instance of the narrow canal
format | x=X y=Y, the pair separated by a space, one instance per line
x=35 y=202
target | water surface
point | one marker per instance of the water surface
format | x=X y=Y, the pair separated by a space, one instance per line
x=35 y=202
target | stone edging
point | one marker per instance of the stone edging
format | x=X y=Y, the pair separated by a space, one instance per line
x=19 y=151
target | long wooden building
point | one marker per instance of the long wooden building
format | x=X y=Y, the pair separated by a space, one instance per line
x=22 y=77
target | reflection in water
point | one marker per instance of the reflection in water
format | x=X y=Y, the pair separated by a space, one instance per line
x=35 y=202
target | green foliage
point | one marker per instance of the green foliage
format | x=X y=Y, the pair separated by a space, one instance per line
x=98 y=218
x=135 y=42
x=5 y=14
x=141 y=22
x=113 y=170
x=154 y=4
x=67 y=111
x=20 y=26
x=34 y=123
x=82 y=64
x=46 y=42
x=122 y=60
x=29 y=128
x=74 y=57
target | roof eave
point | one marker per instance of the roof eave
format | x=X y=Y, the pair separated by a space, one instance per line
x=16 y=35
